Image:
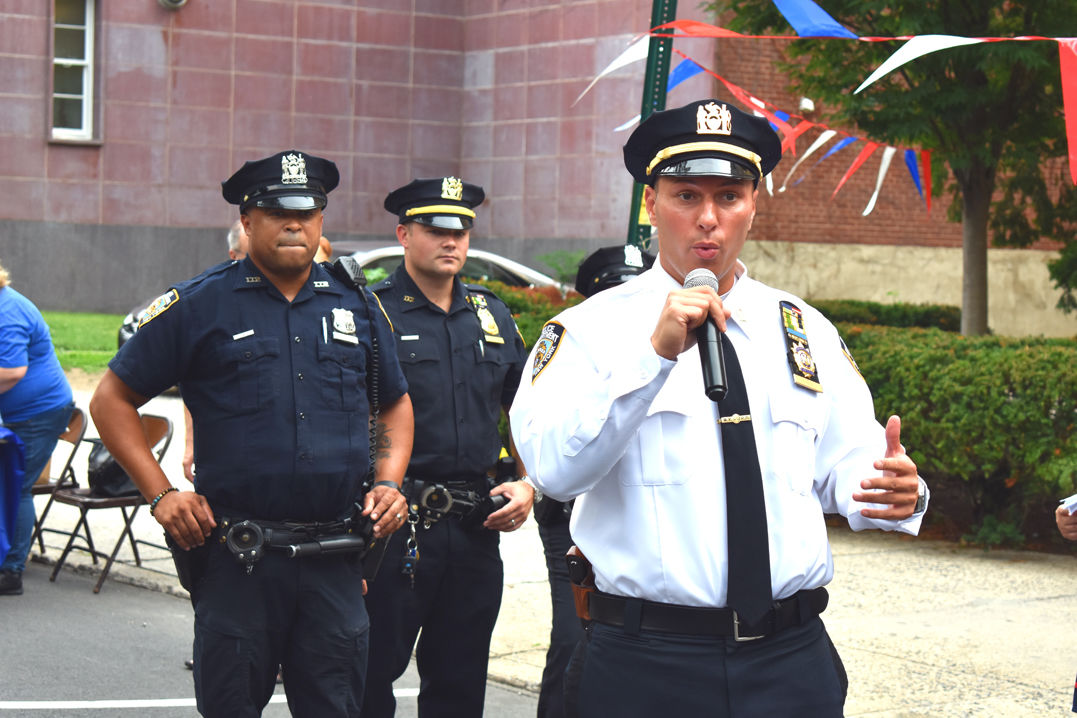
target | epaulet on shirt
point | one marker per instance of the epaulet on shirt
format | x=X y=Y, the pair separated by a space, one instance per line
x=479 y=288
x=167 y=300
x=382 y=285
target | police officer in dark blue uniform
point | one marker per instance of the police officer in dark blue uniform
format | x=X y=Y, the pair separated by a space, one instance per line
x=463 y=358
x=282 y=365
x=604 y=268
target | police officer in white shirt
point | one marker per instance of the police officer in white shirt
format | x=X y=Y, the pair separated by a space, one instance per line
x=703 y=519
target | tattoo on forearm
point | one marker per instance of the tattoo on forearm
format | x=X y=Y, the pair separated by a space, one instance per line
x=383 y=443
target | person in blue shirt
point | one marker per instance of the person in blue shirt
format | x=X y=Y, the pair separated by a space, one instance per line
x=36 y=404
x=463 y=358
x=283 y=366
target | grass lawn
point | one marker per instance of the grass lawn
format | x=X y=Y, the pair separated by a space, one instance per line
x=83 y=341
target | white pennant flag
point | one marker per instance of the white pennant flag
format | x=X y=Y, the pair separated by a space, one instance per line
x=916 y=47
x=884 y=166
x=819 y=142
x=636 y=51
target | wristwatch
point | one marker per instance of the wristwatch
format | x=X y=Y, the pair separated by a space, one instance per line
x=921 y=497
x=527 y=480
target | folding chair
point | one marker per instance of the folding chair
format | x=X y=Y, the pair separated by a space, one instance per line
x=158 y=431
x=68 y=445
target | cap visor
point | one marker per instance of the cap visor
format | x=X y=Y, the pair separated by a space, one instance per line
x=707 y=167
x=293 y=202
x=444 y=221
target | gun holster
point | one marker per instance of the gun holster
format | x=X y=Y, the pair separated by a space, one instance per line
x=190 y=565
x=582 y=577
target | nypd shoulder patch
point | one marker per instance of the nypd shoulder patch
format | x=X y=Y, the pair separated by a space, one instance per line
x=157 y=307
x=546 y=347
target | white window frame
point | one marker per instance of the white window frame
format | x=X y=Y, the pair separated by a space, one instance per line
x=87 y=64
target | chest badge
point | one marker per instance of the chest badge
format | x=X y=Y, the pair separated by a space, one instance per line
x=486 y=319
x=801 y=363
x=344 y=326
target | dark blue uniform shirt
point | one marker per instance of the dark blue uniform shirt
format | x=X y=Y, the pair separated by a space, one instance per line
x=459 y=374
x=278 y=391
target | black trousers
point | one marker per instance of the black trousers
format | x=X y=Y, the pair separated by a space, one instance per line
x=566 y=630
x=305 y=615
x=793 y=674
x=455 y=601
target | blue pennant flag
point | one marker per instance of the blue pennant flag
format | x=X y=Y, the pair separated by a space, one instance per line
x=810 y=20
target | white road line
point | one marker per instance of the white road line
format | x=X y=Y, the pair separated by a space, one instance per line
x=155 y=703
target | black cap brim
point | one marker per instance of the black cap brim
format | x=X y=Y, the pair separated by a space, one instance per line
x=288 y=202
x=442 y=221
x=708 y=167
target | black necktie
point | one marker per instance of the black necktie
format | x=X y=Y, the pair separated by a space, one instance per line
x=749 y=554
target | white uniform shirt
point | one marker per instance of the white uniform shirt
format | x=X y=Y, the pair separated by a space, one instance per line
x=635 y=438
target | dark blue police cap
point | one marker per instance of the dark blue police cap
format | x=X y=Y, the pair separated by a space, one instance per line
x=286 y=180
x=707 y=137
x=609 y=266
x=445 y=202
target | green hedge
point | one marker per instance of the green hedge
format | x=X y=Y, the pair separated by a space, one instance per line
x=994 y=418
x=940 y=316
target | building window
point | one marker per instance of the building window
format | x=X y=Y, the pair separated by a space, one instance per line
x=73 y=70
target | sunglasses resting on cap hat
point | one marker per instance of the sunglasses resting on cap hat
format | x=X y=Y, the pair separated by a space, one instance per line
x=703 y=138
x=290 y=180
x=444 y=202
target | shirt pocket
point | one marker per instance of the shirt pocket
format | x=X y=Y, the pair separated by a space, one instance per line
x=253 y=364
x=797 y=423
x=342 y=370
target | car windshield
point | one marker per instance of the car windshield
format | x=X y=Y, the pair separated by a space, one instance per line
x=473 y=269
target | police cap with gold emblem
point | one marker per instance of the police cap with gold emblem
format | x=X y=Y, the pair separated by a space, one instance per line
x=287 y=180
x=609 y=266
x=703 y=138
x=445 y=202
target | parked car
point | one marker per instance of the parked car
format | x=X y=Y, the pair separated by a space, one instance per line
x=480 y=264
x=130 y=322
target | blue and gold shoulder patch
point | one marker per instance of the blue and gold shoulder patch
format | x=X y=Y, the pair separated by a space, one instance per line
x=157 y=307
x=798 y=353
x=849 y=355
x=546 y=347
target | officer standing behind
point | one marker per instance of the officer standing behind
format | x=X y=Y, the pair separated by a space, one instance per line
x=704 y=517
x=604 y=268
x=463 y=357
x=279 y=362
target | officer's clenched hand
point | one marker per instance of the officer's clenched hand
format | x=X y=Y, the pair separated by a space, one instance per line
x=684 y=311
x=186 y=516
x=1067 y=523
x=898 y=486
x=387 y=508
x=513 y=514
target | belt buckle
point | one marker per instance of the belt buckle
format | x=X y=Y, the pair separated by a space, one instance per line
x=736 y=631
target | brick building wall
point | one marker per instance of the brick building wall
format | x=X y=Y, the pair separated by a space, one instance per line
x=388 y=89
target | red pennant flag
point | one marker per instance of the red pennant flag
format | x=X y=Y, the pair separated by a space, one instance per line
x=925 y=160
x=860 y=159
x=1067 y=62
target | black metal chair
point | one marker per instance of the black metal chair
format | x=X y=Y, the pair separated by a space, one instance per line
x=158 y=431
x=67 y=446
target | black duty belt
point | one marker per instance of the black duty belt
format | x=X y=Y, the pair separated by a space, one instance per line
x=635 y=614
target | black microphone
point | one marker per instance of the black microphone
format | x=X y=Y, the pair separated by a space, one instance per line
x=710 y=344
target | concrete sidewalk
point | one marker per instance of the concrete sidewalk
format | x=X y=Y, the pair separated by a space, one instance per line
x=924 y=628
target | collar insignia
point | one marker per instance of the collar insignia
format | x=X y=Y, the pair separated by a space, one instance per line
x=252 y=279
x=293 y=169
x=714 y=120
x=452 y=188
x=408 y=298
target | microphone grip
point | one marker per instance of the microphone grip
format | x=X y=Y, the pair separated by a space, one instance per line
x=713 y=360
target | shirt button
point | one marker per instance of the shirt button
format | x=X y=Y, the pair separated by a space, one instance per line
x=412 y=355
x=302 y=415
x=299 y=376
x=246 y=355
x=297 y=340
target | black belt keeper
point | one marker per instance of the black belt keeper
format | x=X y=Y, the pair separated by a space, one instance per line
x=634 y=615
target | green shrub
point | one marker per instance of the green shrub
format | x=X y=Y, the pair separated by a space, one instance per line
x=996 y=414
x=892 y=315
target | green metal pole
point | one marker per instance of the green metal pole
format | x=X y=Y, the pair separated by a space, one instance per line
x=654 y=100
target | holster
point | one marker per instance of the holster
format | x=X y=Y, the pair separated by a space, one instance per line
x=582 y=577
x=190 y=565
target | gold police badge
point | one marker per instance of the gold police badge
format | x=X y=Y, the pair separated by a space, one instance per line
x=452 y=188
x=712 y=119
x=293 y=169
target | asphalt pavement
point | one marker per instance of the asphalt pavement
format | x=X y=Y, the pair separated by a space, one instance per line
x=925 y=628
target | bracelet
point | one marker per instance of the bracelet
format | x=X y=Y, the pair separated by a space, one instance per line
x=386 y=482
x=158 y=497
